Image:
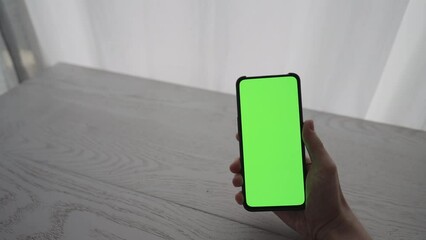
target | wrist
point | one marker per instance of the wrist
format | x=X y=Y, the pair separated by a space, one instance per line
x=344 y=226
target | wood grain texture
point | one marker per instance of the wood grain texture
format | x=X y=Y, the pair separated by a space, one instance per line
x=172 y=145
x=40 y=202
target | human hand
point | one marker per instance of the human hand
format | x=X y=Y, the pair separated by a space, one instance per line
x=327 y=215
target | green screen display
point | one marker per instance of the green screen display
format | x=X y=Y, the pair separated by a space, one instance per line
x=270 y=128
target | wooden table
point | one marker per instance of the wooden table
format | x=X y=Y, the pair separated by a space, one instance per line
x=88 y=154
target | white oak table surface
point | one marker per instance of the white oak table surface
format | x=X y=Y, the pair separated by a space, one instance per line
x=89 y=154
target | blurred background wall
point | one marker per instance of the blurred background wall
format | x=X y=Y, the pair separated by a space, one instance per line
x=364 y=58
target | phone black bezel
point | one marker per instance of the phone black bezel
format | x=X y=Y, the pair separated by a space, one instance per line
x=270 y=208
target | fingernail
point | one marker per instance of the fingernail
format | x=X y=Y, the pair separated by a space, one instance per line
x=310 y=125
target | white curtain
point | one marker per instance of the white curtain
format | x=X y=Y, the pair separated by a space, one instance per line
x=364 y=58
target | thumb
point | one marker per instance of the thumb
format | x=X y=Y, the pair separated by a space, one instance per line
x=313 y=143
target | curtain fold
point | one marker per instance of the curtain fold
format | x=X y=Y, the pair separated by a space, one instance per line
x=8 y=78
x=400 y=97
x=20 y=39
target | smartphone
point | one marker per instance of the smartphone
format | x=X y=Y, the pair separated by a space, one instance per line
x=271 y=148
